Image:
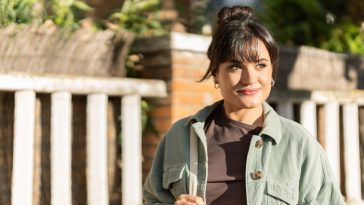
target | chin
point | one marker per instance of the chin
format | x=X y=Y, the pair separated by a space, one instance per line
x=251 y=106
x=250 y=103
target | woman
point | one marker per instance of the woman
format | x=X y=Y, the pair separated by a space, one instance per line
x=239 y=150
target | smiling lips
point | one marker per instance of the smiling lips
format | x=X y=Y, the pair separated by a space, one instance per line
x=247 y=91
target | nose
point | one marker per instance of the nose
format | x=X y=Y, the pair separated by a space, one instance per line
x=249 y=75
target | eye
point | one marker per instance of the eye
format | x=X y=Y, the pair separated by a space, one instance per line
x=261 y=65
x=234 y=66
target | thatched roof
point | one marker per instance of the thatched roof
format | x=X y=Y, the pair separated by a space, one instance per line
x=48 y=49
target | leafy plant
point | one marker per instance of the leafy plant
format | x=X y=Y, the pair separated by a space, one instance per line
x=346 y=37
x=17 y=11
x=68 y=13
x=141 y=17
x=65 y=13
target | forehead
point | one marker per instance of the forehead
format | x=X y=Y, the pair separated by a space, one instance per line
x=250 y=50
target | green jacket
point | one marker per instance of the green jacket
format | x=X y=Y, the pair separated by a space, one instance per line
x=289 y=167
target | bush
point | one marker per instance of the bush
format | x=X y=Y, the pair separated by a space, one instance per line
x=346 y=37
x=18 y=11
x=323 y=24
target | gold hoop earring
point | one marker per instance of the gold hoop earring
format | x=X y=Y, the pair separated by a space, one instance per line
x=272 y=83
x=216 y=86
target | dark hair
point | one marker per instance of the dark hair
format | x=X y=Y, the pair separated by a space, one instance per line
x=236 y=38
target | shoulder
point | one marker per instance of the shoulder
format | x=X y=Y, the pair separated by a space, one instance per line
x=295 y=131
x=178 y=128
x=306 y=144
x=313 y=155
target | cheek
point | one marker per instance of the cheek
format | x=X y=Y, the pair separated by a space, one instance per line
x=224 y=79
x=266 y=78
x=266 y=81
x=232 y=78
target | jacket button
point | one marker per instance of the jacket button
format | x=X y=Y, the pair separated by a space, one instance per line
x=259 y=143
x=258 y=175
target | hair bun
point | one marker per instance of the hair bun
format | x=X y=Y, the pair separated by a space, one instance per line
x=228 y=14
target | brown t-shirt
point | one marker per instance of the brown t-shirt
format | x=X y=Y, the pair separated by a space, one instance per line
x=227 y=146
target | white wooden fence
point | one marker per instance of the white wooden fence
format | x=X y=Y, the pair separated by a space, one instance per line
x=341 y=121
x=340 y=130
x=97 y=90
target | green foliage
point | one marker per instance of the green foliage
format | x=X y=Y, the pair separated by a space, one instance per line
x=140 y=17
x=346 y=37
x=319 y=23
x=296 y=22
x=65 y=13
x=68 y=13
x=193 y=14
x=17 y=11
x=145 y=108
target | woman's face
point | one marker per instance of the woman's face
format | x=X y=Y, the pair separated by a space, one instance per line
x=245 y=85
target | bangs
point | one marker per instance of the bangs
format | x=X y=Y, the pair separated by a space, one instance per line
x=243 y=49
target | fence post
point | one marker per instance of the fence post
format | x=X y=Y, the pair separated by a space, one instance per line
x=351 y=152
x=97 y=185
x=61 y=139
x=22 y=178
x=308 y=116
x=332 y=137
x=131 y=150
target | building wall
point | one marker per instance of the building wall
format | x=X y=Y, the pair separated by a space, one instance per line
x=179 y=60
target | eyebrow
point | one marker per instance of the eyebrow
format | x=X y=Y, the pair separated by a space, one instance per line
x=234 y=61
x=259 y=60
x=263 y=59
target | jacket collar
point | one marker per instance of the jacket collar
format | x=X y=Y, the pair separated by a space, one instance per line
x=271 y=127
x=272 y=124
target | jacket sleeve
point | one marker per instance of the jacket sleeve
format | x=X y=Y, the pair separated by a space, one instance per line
x=317 y=183
x=153 y=191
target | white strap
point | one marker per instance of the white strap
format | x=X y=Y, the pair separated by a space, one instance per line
x=193 y=163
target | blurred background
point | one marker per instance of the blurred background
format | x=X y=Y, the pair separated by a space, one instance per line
x=79 y=77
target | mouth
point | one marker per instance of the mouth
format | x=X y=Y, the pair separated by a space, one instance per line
x=246 y=91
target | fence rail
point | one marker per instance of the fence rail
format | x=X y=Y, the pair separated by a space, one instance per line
x=61 y=89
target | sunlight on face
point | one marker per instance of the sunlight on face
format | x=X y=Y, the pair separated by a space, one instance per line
x=246 y=85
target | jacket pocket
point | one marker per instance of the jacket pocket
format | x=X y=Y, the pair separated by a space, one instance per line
x=175 y=179
x=282 y=192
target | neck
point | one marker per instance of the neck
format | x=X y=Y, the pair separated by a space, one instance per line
x=252 y=116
